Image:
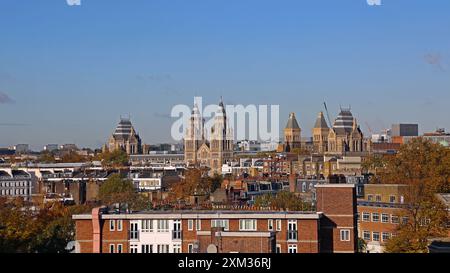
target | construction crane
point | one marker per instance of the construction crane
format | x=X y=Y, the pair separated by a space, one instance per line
x=328 y=115
x=368 y=127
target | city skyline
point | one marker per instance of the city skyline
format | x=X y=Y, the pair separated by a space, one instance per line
x=93 y=63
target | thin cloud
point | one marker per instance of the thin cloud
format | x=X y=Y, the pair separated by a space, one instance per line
x=4 y=98
x=436 y=60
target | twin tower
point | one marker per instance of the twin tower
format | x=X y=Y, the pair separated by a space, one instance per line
x=213 y=151
x=344 y=137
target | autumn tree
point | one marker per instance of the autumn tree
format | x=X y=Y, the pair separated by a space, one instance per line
x=117 y=190
x=26 y=230
x=46 y=157
x=113 y=160
x=196 y=182
x=73 y=157
x=283 y=200
x=425 y=167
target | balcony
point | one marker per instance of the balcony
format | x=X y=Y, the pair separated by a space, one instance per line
x=292 y=235
x=176 y=235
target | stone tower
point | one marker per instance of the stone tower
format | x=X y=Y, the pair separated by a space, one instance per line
x=221 y=141
x=320 y=134
x=292 y=134
x=194 y=137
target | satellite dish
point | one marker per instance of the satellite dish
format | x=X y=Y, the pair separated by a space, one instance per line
x=211 y=249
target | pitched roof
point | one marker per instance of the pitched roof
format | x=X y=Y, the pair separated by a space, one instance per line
x=292 y=122
x=321 y=122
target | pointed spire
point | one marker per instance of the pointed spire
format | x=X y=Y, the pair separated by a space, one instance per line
x=321 y=122
x=292 y=122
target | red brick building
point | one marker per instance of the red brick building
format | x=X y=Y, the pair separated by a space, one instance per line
x=331 y=229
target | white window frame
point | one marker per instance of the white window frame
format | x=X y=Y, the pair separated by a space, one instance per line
x=345 y=235
x=373 y=236
x=147 y=225
x=223 y=223
x=163 y=225
x=190 y=224
x=133 y=248
x=198 y=225
x=373 y=214
x=248 y=224
x=367 y=214
x=112 y=225
x=270 y=224
x=112 y=248
x=383 y=236
x=385 y=218
x=367 y=238
x=190 y=248
x=119 y=248
x=147 y=248
x=119 y=225
x=292 y=249
x=278 y=224
x=176 y=248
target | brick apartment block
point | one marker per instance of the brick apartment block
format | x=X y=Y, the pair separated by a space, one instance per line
x=332 y=228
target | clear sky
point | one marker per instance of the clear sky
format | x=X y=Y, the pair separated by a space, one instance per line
x=67 y=73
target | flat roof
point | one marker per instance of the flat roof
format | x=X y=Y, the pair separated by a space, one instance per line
x=207 y=214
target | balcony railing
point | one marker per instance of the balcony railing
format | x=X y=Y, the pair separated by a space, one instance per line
x=176 y=235
x=292 y=235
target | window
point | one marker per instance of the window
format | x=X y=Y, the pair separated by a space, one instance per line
x=198 y=224
x=119 y=248
x=247 y=225
x=133 y=249
x=147 y=225
x=292 y=248
x=375 y=217
x=345 y=235
x=278 y=248
x=369 y=197
x=147 y=248
x=190 y=248
x=163 y=249
x=190 y=224
x=366 y=235
x=163 y=225
x=134 y=231
x=384 y=218
x=375 y=236
x=111 y=248
x=366 y=217
x=378 y=198
x=220 y=223
x=405 y=220
x=270 y=224
x=394 y=219
x=278 y=225
x=112 y=225
x=392 y=199
x=385 y=236
x=176 y=248
x=119 y=226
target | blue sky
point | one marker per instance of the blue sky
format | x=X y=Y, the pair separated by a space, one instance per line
x=67 y=73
